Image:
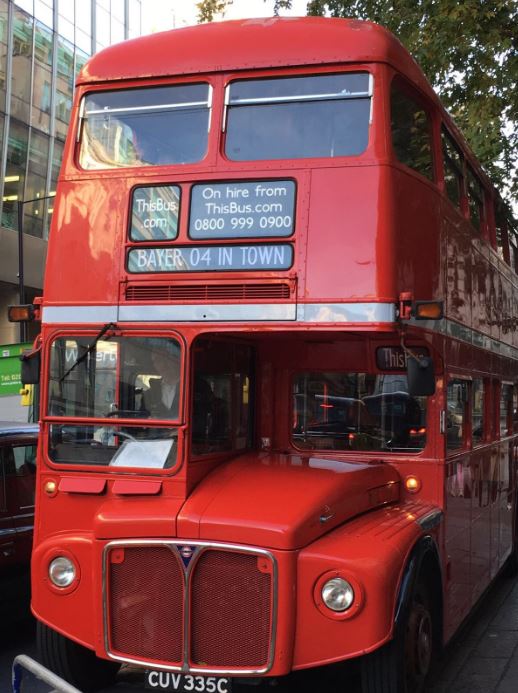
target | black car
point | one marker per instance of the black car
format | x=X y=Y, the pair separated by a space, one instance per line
x=17 y=483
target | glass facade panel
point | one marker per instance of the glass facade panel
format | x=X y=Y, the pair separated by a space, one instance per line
x=26 y=5
x=43 y=12
x=84 y=16
x=4 y=28
x=117 y=33
x=56 y=163
x=42 y=85
x=15 y=172
x=34 y=212
x=22 y=65
x=134 y=19
x=81 y=59
x=34 y=92
x=117 y=8
x=64 y=87
x=102 y=26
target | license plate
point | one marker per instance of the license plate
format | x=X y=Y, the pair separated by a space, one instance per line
x=186 y=683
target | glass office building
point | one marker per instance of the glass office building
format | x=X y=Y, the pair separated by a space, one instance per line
x=43 y=45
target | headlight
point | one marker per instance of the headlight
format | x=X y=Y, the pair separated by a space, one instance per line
x=62 y=572
x=337 y=594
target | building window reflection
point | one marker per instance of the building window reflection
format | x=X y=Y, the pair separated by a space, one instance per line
x=44 y=66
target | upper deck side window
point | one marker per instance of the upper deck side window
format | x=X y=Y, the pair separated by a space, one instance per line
x=475 y=199
x=298 y=117
x=144 y=127
x=502 y=243
x=411 y=131
x=453 y=162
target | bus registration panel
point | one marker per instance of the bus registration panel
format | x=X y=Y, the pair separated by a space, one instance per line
x=186 y=683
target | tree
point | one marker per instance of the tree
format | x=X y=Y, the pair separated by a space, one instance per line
x=469 y=52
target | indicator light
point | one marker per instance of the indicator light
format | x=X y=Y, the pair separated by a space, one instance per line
x=427 y=310
x=412 y=484
x=50 y=488
x=21 y=313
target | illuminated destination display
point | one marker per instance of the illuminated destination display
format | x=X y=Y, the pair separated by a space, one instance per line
x=211 y=258
x=155 y=213
x=257 y=209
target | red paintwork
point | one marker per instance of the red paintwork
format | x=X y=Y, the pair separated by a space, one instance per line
x=81 y=485
x=367 y=229
x=276 y=501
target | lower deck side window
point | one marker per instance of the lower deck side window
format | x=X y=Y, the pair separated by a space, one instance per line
x=357 y=411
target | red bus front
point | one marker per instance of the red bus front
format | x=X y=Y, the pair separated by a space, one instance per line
x=234 y=480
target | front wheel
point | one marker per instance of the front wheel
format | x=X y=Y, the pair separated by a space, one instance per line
x=401 y=666
x=72 y=662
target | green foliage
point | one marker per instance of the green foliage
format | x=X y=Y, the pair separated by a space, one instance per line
x=469 y=52
x=207 y=9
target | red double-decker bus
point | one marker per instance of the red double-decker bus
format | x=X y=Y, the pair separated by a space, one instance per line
x=278 y=364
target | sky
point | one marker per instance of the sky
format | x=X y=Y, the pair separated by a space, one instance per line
x=160 y=15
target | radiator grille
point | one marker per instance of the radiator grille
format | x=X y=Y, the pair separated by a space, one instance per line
x=146 y=603
x=207 y=292
x=230 y=611
x=230 y=620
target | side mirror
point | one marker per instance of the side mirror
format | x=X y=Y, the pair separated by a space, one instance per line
x=30 y=371
x=420 y=376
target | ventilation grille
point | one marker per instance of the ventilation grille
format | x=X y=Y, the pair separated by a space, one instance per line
x=229 y=601
x=146 y=603
x=230 y=611
x=207 y=292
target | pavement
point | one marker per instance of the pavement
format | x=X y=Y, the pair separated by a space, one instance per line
x=483 y=657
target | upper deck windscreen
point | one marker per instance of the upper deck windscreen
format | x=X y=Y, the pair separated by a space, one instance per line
x=145 y=127
x=298 y=117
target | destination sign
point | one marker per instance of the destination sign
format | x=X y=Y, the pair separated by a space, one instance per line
x=211 y=258
x=242 y=210
x=395 y=359
x=155 y=213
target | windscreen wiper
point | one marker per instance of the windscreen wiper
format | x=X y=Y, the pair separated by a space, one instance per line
x=89 y=349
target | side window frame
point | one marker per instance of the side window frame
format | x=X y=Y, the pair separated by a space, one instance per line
x=461 y=399
x=453 y=163
x=476 y=200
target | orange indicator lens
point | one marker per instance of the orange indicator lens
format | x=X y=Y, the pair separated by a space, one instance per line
x=412 y=484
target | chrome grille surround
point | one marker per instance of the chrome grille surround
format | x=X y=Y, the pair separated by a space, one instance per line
x=199 y=548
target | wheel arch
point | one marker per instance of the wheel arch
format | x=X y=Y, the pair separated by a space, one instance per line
x=423 y=566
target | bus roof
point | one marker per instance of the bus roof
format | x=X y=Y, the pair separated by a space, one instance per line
x=251 y=43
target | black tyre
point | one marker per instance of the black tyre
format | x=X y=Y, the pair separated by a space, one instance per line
x=74 y=663
x=401 y=666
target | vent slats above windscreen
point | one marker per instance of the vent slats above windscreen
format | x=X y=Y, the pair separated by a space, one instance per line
x=207 y=292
